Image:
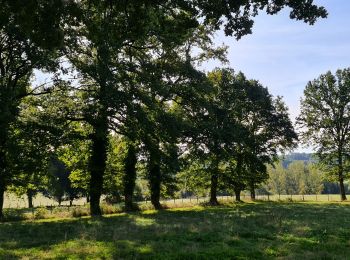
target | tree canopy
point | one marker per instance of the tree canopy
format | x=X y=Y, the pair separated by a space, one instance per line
x=129 y=71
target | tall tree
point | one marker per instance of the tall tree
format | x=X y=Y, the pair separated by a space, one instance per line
x=253 y=128
x=30 y=34
x=107 y=31
x=325 y=121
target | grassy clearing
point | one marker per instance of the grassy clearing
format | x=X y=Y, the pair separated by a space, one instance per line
x=247 y=231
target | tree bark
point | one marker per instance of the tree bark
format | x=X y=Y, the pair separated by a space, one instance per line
x=2 y=195
x=252 y=191
x=342 y=189
x=129 y=176
x=340 y=174
x=97 y=166
x=30 y=199
x=2 y=181
x=155 y=176
x=238 y=195
x=213 y=189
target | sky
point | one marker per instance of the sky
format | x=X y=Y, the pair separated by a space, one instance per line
x=285 y=54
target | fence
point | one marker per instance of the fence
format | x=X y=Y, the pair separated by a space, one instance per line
x=11 y=201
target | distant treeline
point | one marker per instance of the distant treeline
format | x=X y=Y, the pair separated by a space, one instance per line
x=299 y=173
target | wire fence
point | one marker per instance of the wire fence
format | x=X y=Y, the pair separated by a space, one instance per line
x=12 y=201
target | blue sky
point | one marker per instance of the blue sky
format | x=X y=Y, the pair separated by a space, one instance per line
x=285 y=54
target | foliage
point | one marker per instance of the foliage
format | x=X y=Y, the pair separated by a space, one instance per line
x=298 y=178
x=325 y=121
x=128 y=69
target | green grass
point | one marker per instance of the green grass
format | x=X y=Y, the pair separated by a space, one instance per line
x=261 y=230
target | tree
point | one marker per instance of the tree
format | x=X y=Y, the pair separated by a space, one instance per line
x=325 y=121
x=277 y=178
x=29 y=33
x=102 y=34
x=249 y=126
x=58 y=179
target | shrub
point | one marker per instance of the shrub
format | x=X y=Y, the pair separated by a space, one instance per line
x=80 y=212
x=110 y=209
x=41 y=213
x=13 y=215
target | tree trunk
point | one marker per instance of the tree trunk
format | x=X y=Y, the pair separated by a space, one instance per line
x=30 y=199
x=252 y=191
x=342 y=189
x=97 y=166
x=340 y=174
x=2 y=180
x=238 y=194
x=2 y=193
x=155 y=176
x=129 y=176
x=213 y=189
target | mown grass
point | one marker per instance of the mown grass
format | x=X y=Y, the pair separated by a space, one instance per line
x=261 y=230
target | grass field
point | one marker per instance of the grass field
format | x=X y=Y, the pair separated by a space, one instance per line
x=260 y=230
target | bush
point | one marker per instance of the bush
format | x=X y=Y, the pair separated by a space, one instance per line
x=13 y=215
x=80 y=212
x=110 y=209
x=41 y=213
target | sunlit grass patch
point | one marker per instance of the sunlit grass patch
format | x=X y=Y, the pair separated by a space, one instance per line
x=262 y=230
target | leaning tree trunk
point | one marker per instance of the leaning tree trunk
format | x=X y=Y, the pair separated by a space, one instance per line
x=155 y=175
x=97 y=166
x=238 y=194
x=129 y=176
x=30 y=198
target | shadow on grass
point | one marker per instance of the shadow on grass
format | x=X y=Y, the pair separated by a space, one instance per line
x=247 y=230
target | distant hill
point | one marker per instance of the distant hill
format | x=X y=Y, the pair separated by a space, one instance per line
x=289 y=158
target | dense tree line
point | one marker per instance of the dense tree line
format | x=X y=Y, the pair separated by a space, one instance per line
x=297 y=178
x=127 y=98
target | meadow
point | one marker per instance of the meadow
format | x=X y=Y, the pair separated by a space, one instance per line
x=249 y=230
